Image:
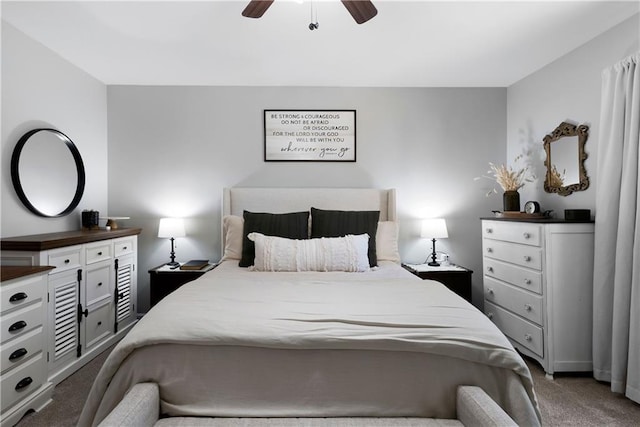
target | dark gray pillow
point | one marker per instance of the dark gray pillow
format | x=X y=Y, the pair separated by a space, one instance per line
x=294 y=225
x=326 y=223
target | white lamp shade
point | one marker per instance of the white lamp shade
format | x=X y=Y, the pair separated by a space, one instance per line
x=171 y=227
x=434 y=228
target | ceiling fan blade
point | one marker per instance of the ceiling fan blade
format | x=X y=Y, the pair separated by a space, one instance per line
x=256 y=8
x=361 y=10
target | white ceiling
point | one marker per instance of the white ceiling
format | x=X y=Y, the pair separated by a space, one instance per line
x=409 y=44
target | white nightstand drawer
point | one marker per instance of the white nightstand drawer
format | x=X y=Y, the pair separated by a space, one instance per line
x=99 y=324
x=522 y=277
x=98 y=252
x=22 y=292
x=523 y=332
x=16 y=351
x=19 y=382
x=65 y=259
x=98 y=284
x=526 y=256
x=523 y=233
x=19 y=322
x=123 y=247
x=520 y=302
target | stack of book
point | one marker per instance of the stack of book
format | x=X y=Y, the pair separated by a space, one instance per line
x=195 y=264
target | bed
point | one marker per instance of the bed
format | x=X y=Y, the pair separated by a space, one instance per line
x=249 y=342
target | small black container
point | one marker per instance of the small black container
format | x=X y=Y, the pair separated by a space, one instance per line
x=577 y=214
x=511 y=201
x=90 y=220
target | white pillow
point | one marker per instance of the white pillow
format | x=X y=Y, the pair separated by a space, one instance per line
x=387 y=241
x=348 y=253
x=232 y=227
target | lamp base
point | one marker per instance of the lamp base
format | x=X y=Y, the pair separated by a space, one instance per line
x=433 y=262
x=173 y=263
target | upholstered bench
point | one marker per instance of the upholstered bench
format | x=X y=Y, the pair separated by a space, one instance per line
x=141 y=408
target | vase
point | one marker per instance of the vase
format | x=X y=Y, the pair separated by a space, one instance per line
x=511 y=201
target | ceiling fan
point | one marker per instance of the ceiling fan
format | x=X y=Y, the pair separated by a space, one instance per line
x=361 y=10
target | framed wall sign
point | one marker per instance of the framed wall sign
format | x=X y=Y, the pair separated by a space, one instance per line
x=310 y=135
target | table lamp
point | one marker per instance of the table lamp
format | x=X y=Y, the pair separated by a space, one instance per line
x=171 y=228
x=434 y=228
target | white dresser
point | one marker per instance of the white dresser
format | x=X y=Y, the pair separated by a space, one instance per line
x=23 y=379
x=538 y=288
x=88 y=299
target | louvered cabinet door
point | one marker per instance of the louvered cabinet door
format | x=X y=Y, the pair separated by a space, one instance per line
x=65 y=339
x=124 y=305
x=126 y=281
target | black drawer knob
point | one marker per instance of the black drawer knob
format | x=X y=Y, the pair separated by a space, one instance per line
x=17 y=326
x=23 y=383
x=18 y=354
x=18 y=297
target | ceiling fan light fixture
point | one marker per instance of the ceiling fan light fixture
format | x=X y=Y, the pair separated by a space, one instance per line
x=360 y=10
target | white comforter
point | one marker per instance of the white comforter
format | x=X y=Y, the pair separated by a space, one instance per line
x=387 y=310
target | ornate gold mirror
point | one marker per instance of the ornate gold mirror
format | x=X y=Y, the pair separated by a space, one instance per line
x=565 y=159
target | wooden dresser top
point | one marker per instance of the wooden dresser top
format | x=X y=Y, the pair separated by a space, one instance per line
x=43 y=242
x=14 y=272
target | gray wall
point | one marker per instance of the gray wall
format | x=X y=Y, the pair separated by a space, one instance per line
x=566 y=90
x=173 y=149
x=40 y=89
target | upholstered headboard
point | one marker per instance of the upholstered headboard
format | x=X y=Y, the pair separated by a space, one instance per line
x=281 y=200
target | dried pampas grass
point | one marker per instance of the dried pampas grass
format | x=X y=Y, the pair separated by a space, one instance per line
x=508 y=178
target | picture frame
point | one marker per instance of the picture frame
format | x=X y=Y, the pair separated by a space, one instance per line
x=309 y=135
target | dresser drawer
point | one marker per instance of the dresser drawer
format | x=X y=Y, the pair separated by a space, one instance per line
x=21 y=321
x=522 y=277
x=523 y=232
x=98 y=284
x=16 y=351
x=526 y=256
x=522 y=303
x=99 y=324
x=519 y=330
x=66 y=259
x=22 y=292
x=123 y=247
x=98 y=252
x=20 y=382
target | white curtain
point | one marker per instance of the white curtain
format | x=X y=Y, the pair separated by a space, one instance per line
x=616 y=293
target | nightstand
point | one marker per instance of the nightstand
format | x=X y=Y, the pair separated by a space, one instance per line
x=164 y=280
x=454 y=277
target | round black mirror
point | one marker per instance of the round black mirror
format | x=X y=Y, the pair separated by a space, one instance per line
x=47 y=172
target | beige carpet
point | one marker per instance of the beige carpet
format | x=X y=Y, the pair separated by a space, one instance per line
x=568 y=400
x=579 y=400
